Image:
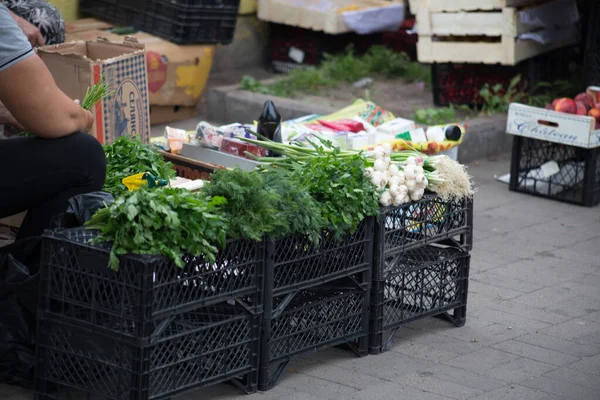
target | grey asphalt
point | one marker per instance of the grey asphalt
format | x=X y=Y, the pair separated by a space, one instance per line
x=533 y=320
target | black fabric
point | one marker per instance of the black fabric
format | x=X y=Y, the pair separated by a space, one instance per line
x=81 y=209
x=19 y=286
x=42 y=15
x=41 y=175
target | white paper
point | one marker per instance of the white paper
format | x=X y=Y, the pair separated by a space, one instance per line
x=547 y=36
x=296 y=55
x=376 y=19
x=558 y=13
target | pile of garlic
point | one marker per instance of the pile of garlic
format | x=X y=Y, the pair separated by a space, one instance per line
x=398 y=183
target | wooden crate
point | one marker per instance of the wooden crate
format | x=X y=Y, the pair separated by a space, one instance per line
x=506 y=50
x=488 y=37
x=472 y=5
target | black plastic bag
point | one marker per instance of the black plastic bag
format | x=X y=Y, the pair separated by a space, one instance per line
x=81 y=209
x=19 y=287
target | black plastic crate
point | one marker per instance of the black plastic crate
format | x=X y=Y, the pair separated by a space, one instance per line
x=461 y=83
x=189 y=350
x=77 y=284
x=294 y=262
x=429 y=220
x=577 y=182
x=179 y=21
x=309 y=320
x=427 y=281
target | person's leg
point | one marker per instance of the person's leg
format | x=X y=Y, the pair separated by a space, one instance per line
x=41 y=14
x=41 y=175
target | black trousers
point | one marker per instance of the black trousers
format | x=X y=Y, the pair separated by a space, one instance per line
x=40 y=176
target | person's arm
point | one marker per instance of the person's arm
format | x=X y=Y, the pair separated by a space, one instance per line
x=31 y=31
x=29 y=92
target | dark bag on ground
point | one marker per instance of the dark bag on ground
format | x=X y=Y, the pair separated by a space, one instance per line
x=81 y=209
x=19 y=267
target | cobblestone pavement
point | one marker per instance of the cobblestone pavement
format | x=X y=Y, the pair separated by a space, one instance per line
x=533 y=320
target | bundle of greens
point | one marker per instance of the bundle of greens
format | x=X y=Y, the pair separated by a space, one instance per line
x=252 y=208
x=296 y=206
x=171 y=222
x=127 y=156
x=340 y=187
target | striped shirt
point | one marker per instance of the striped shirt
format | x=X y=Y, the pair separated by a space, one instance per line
x=14 y=46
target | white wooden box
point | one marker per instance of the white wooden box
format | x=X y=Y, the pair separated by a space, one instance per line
x=552 y=126
x=506 y=51
x=318 y=15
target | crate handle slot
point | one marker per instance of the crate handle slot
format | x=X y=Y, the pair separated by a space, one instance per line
x=548 y=123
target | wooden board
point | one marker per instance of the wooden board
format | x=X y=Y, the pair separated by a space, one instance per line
x=505 y=22
x=472 y=5
x=189 y=168
x=508 y=51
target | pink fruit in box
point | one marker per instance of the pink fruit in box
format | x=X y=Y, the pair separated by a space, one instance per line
x=586 y=99
x=566 y=105
x=594 y=112
x=581 y=108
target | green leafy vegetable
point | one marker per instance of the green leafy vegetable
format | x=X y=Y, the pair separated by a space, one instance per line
x=127 y=156
x=343 y=193
x=172 y=222
x=252 y=208
x=296 y=206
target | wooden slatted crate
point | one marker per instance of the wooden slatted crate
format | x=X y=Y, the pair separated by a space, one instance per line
x=480 y=36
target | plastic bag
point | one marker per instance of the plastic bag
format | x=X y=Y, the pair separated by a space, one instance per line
x=81 y=209
x=19 y=286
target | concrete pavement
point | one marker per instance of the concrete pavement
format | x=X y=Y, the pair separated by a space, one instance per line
x=533 y=320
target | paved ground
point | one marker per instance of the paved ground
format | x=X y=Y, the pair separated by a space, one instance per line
x=533 y=323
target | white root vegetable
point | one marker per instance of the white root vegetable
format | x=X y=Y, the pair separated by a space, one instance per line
x=379 y=165
x=410 y=171
x=420 y=161
x=402 y=189
x=387 y=149
x=393 y=169
x=394 y=190
x=420 y=178
x=402 y=177
x=399 y=199
x=423 y=185
x=388 y=160
x=378 y=153
x=419 y=170
x=385 y=199
x=410 y=161
x=416 y=194
x=377 y=178
x=369 y=172
x=410 y=184
x=395 y=180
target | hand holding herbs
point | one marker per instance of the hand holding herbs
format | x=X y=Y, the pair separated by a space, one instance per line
x=171 y=222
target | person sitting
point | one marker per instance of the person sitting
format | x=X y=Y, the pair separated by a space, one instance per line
x=41 y=173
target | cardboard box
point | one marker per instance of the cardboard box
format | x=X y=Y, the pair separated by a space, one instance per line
x=76 y=66
x=165 y=114
x=552 y=126
x=177 y=74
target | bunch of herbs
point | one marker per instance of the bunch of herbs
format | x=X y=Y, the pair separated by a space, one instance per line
x=128 y=156
x=252 y=208
x=171 y=222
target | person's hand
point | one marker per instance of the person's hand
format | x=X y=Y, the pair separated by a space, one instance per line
x=31 y=31
x=6 y=118
x=89 y=120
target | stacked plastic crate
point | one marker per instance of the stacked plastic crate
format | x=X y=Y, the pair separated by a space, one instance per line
x=421 y=266
x=150 y=330
x=316 y=296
